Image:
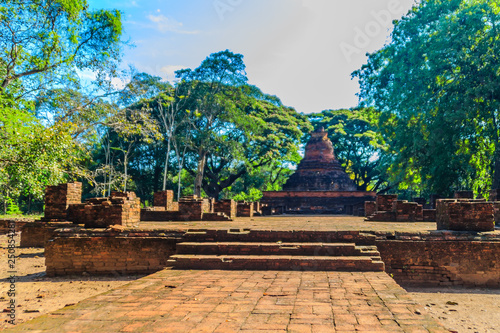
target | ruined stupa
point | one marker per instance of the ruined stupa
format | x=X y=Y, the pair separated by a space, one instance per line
x=319 y=185
x=319 y=170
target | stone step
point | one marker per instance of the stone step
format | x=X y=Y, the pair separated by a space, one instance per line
x=273 y=236
x=276 y=262
x=264 y=248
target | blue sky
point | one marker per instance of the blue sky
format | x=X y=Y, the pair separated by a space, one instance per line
x=302 y=51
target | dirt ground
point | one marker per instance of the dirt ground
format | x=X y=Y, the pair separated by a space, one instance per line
x=459 y=309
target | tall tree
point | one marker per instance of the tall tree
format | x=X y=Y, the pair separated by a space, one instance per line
x=210 y=87
x=437 y=85
x=43 y=46
x=265 y=132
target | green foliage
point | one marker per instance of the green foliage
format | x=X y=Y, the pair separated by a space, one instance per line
x=233 y=127
x=253 y=195
x=42 y=42
x=43 y=45
x=12 y=208
x=437 y=85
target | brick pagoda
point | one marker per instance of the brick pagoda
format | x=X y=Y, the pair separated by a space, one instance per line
x=319 y=185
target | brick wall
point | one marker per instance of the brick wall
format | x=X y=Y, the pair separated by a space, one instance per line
x=385 y=202
x=164 y=199
x=388 y=208
x=244 y=209
x=370 y=208
x=118 y=209
x=494 y=195
x=407 y=211
x=107 y=255
x=227 y=207
x=37 y=234
x=465 y=215
x=496 y=212
x=58 y=198
x=18 y=224
x=442 y=263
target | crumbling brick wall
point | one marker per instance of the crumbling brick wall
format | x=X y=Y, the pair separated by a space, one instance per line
x=118 y=209
x=59 y=198
x=107 y=255
x=385 y=202
x=192 y=208
x=496 y=211
x=370 y=208
x=37 y=234
x=465 y=215
x=407 y=211
x=164 y=199
x=227 y=207
x=244 y=209
x=387 y=208
x=442 y=263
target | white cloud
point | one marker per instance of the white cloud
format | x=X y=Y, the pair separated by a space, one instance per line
x=168 y=72
x=118 y=83
x=165 y=24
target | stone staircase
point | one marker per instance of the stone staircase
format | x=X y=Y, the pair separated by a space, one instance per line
x=275 y=250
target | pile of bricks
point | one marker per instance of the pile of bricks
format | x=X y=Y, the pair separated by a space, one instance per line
x=388 y=208
x=245 y=209
x=118 y=209
x=59 y=198
x=465 y=215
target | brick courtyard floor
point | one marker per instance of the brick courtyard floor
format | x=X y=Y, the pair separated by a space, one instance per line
x=298 y=222
x=245 y=301
x=252 y=301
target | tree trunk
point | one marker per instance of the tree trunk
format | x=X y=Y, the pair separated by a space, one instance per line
x=202 y=157
x=496 y=157
x=181 y=165
x=165 y=170
x=496 y=171
x=125 y=163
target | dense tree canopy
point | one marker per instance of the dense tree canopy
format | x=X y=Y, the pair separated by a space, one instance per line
x=44 y=45
x=437 y=85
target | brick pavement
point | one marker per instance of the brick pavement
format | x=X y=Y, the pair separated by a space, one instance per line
x=245 y=301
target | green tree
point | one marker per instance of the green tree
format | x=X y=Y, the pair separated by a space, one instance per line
x=43 y=47
x=437 y=85
x=211 y=88
x=357 y=141
x=42 y=42
x=266 y=132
